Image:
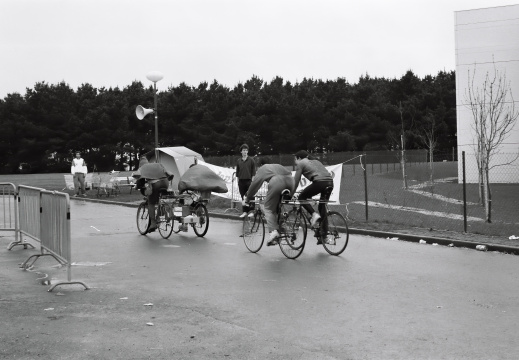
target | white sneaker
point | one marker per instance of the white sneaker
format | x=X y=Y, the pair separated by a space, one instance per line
x=273 y=238
x=330 y=240
x=243 y=214
x=315 y=218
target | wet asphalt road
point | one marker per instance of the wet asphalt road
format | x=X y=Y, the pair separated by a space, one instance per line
x=209 y=298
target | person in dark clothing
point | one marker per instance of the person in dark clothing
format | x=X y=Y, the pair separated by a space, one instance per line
x=245 y=171
x=151 y=179
x=321 y=178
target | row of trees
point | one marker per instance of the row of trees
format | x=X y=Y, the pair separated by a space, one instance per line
x=46 y=125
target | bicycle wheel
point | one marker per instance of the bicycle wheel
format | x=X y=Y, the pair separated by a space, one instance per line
x=143 y=218
x=293 y=234
x=165 y=223
x=337 y=236
x=254 y=232
x=201 y=228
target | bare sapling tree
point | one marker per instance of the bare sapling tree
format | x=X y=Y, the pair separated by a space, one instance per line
x=493 y=118
x=429 y=137
x=412 y=112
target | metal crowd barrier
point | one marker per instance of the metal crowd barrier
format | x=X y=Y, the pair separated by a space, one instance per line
x=45 y=217
x=9 y=214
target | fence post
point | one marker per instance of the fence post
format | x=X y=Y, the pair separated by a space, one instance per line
x=365 y=183
x=464 y=193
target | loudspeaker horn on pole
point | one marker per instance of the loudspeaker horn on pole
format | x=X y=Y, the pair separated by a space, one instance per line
x=141 y=112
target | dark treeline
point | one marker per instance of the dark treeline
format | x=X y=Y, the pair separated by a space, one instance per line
x=46 y=125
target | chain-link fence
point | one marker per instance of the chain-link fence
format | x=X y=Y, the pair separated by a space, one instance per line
x=390 y=159
x=430 y=196
x=395 y=191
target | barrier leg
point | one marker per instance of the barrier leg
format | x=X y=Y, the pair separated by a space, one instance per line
x=20 y=242
x=69 y=282
x=233 y=207
x=25 y=265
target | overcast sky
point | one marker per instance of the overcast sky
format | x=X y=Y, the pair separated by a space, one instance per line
x=109 y=43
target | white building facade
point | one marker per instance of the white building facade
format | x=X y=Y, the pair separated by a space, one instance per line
x=487 y=39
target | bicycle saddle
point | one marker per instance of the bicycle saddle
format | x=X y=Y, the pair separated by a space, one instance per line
x=285 y=195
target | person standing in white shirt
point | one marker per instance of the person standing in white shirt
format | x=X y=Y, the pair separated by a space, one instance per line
x=79 y=171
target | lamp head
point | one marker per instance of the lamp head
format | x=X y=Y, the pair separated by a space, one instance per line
x=154 y=76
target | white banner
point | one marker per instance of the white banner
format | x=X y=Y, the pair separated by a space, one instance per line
x=228 y=175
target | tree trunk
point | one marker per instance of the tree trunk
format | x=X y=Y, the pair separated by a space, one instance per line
x=480 y=179
x=431 y=163
x=486 y=199
x=403 y=161
x=489 y=197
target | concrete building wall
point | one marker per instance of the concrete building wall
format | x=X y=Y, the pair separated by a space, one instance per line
x=487 y=38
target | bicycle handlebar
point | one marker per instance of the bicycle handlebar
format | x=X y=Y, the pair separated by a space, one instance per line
x=294 y=201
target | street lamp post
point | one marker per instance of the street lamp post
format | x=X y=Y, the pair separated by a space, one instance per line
x=141 y=112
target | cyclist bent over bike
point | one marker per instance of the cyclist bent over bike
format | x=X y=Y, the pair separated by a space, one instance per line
x=152 y=178
x=321 y=178
x=278 y=178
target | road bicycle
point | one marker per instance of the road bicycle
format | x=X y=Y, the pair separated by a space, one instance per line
x=332 y=233
x=175 y=212
x=292 y=228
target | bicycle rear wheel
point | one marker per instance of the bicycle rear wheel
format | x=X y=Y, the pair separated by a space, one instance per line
x=337 y=236
x=165 y=223
x=201 y=228
x=143 y=218
x=293 y=234
x=254 y=232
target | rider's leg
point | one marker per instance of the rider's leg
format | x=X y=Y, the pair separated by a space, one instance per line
x=271 y=203
x=153 y=200
x=151 y=211
x=276 y=185
x=322 y=206
x=307 y=193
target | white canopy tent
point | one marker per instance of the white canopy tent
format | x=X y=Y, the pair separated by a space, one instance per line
x=176 y=159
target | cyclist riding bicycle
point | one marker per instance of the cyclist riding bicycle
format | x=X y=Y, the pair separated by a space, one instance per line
x=152 y=178
x=321 y=178
x=278 y=178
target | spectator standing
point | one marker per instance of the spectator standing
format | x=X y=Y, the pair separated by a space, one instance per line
x=245 y=171
x=79 y=171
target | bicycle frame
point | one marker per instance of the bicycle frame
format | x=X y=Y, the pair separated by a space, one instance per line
x=292 y=219
x=194 y=213
x=332 y=231
x=292 y=230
